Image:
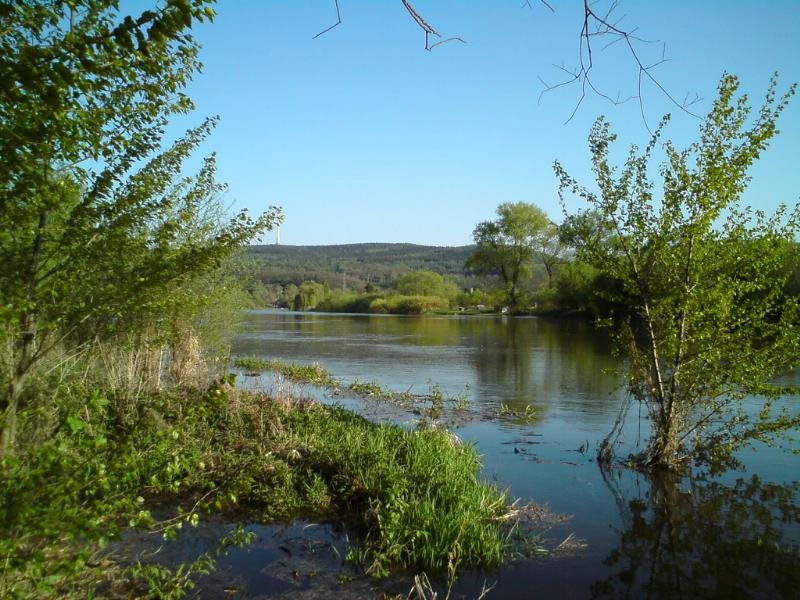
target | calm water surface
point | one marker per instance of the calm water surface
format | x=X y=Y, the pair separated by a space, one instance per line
x=732 y=537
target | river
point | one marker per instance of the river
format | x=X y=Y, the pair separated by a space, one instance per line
x=734 y=536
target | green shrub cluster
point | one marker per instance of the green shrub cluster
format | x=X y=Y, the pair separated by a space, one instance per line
x=348 y=302
x=407 y=305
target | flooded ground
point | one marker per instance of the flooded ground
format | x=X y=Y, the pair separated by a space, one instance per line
x=735 y=536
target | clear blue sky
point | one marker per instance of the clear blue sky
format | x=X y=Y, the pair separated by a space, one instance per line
x=363 y=136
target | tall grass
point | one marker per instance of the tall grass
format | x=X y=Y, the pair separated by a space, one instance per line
x=414 y=495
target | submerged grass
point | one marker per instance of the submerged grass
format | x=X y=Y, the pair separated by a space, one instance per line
x=431 y=405
x=314 y=373
x=413 y=498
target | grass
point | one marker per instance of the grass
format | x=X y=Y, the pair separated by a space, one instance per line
x=519 y=415
x=432 y=404
x=314 y=373
x=373 y=390
x=413 y=498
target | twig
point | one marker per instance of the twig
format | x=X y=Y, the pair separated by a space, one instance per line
x=429 y=31
x=338 y=21
x=601 y=25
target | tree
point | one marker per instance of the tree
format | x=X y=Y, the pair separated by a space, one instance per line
x=552 y=251
x=309 y=294
x=706 y=316
x=508 y=245
x=98 y=224
x=425 y=283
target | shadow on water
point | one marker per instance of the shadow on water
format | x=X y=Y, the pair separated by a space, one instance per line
x=698 y=538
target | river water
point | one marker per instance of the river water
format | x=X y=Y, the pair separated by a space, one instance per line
x=735 y=536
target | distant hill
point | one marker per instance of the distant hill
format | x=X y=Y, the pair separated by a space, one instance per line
x=355 y=265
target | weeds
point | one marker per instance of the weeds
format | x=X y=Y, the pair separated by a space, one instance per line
x=371 y=389
x=520 y=415
x=314 y=373
x=431 y=405
x=413 y=498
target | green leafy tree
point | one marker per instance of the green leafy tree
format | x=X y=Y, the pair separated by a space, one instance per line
x=98 y=224
x=702 y=281
x=508 y=246
x=552 y=251
x=425 y=283
x=309 y=294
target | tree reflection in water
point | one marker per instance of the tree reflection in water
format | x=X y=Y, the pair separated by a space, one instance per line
x=699 y=538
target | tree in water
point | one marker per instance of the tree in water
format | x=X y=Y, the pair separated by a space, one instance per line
x=701 y=298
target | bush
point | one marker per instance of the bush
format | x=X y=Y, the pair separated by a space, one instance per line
x=415 y=305
x=347 y=302
x=379 y=304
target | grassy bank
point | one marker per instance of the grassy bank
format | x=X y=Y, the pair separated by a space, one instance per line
x=413 y=498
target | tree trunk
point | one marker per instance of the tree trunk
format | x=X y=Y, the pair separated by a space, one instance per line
x=13 y=394
x=8 y=434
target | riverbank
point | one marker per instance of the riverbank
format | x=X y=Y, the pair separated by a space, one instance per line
x=412 y=498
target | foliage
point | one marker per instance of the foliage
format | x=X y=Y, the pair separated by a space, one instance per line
x=309 y=295
x=408 y=305
x=356 y=267
x=370 y=388
x=508 y=246
x=348 y=302
x=575 y=286
x=698 y=283
x=425 y=283
x=382 y=304
x=517 y=415
x=98 y=224
x=413 y=497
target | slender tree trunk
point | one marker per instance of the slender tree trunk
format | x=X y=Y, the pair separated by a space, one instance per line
x=13 y=393
x=28 y=337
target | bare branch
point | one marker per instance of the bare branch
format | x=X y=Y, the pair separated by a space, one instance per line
x=338 y=21
x=444 y=41
x=527 y=4
x=426 y=27
x=602 y=26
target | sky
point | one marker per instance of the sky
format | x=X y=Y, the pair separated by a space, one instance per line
x=362 y=135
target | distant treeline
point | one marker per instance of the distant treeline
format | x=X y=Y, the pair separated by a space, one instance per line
x=356 y=266
x=412 y=279
x=365 y=278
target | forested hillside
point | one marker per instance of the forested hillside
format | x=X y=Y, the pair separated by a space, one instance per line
x=354 y=266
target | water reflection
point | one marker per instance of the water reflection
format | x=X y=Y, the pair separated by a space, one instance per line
x=702 y=539
x=647 y=538
x=518 y=362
